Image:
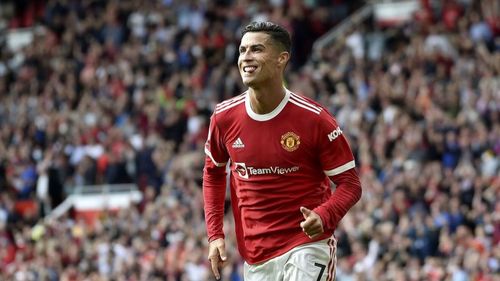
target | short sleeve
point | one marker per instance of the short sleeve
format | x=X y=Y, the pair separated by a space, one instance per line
x=214 y=146
x=335 y=154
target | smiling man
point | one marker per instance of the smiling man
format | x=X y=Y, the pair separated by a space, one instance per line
x=283 y=150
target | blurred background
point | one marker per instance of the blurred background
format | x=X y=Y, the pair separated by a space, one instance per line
x=104 y=108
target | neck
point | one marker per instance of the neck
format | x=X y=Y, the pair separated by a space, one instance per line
x=265 y=100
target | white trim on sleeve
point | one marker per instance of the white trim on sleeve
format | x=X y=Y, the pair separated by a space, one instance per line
x=341 y=169
x=209 y=154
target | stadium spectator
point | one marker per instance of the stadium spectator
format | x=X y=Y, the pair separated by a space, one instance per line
x=128 y=86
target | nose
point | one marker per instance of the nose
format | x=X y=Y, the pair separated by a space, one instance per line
x=245 y=56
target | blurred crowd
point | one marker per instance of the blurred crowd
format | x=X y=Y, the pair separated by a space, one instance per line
x=116 y=92
x=121 y=92
x=421 y=106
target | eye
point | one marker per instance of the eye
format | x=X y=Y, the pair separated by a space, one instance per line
x=257 y=50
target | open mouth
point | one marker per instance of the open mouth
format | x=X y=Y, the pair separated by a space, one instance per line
x=249 y=69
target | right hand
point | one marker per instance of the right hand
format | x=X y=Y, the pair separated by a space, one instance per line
x=217 y=255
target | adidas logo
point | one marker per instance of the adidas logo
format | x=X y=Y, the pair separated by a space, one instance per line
x=238 y=143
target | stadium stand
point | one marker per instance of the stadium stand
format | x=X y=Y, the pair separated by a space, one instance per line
x=119 y=92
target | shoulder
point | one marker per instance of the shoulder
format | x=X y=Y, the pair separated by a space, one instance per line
x=229 y=105
x=313 y=111
x=308 y=106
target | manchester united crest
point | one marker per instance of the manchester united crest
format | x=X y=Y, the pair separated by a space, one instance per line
x=290 y=141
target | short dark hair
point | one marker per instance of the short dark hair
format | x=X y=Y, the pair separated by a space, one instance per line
x=279 y=34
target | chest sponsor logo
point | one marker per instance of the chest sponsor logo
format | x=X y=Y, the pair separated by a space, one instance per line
x=245 y=172
x=290 y=141
x=334 y=134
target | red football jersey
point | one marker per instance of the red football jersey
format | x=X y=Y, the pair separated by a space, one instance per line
x=279 y=162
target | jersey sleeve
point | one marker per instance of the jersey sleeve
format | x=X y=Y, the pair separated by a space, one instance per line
x=338 y=163
x=214 y=146
x=335 y=154
x=214 y=182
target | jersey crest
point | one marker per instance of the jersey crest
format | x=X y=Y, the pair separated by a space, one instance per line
x=290 y=141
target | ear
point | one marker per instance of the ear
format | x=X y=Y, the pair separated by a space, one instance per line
x=283 y=58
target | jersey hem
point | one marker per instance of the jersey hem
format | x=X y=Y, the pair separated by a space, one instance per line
x=301 y=240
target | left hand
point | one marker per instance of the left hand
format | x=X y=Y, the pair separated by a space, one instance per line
x=312 y=225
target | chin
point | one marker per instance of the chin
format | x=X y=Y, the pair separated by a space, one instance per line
x=249 y=82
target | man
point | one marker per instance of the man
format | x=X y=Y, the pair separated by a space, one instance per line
x=283 y=150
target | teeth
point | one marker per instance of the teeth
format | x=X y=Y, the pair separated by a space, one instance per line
x=249 y=68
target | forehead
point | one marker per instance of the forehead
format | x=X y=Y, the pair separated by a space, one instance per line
x=254 y=38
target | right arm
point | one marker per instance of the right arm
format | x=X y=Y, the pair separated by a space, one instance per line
x=214 y=180
x=214 y=193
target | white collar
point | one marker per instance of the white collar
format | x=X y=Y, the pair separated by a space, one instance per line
x=267 y=116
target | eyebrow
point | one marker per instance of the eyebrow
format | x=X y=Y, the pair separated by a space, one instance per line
x=253 y=46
